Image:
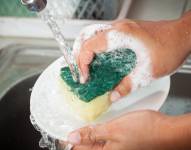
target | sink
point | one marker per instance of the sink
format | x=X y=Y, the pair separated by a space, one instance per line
x=179 y=99
x=16 y=129
x=20 y=61
x=20 y=65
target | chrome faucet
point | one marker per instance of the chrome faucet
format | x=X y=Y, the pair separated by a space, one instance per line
x=35 y=5
x=38 y=6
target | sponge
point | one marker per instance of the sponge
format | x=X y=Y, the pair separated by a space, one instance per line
x=90 y=100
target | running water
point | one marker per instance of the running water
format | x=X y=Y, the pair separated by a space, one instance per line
x=64 y=47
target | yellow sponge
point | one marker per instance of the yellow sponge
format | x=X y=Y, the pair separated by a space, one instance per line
x=86 y=111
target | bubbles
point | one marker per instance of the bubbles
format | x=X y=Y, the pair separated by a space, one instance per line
x=142 y=74
x=30 y=89
x=87 y=33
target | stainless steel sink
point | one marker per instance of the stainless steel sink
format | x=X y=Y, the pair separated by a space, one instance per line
x=18 y=62
x=16 y=129
x=179 y=99
x=20 y=66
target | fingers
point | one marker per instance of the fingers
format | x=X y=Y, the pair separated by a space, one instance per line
x=92 y=40
x=122 y=89
x=84 y=59
x=112 y=146
x=93 y=146
x=96 y=44
x=97 y=146
x=63 y=145
x=89 y=135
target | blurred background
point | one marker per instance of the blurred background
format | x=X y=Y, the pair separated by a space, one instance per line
x=148 y=9
x=14 y=15
x=71 y=16
x=14 y=8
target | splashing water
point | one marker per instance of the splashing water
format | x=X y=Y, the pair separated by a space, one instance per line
x=50 y=20
x=48 y=17
x=46 y=140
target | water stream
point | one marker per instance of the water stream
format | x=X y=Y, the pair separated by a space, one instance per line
x=50 y=20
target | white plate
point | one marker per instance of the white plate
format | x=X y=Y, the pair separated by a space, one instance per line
x=53 y=115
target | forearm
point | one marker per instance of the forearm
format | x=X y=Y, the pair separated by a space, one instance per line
x=175 y=37
x=183 y=29
x=175 y=133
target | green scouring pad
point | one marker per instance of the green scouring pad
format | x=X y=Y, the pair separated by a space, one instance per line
x=106 y=71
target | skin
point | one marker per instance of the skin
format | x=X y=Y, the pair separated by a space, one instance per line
x=169 y=43
x=145 y=130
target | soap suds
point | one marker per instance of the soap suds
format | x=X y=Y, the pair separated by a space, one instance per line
x=87 y=33
x=142 y=74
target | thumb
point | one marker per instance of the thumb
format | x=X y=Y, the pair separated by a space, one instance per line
x=89 y=135
x=122 y=89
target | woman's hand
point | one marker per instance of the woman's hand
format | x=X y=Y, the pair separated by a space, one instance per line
x=160 y=47
x=134 y=131
x=141 y=130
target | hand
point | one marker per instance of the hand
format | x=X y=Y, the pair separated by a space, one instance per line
x=140 y=130
x=160 y=47
x=134 y=131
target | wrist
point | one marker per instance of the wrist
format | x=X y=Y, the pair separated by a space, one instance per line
x=184 y=30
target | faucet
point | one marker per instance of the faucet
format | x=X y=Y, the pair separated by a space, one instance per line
x=38 y=6
x=35 y=5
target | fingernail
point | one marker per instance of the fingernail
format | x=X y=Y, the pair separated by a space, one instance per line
x=115 y=96
x=82 y=80
x=74 y=138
